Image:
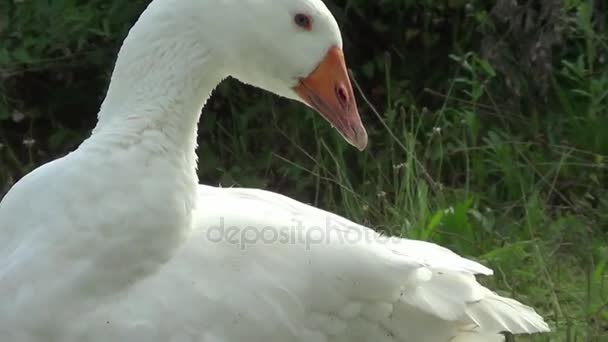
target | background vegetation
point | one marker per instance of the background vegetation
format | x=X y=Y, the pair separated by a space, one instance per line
x=489 y=133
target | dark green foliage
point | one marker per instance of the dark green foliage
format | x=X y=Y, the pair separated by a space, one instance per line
x=490 y=134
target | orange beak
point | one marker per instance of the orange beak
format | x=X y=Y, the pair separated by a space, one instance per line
x=329 y=92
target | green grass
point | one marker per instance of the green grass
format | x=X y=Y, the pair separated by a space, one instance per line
x=455 y=157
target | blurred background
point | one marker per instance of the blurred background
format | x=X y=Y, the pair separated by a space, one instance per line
x=488 y=125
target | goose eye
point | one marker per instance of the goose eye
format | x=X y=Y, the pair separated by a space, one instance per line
x=304 y=21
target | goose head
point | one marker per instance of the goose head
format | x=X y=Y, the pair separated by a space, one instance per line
x=292 y=48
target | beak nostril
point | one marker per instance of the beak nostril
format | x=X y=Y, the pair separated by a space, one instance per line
x=342 y=96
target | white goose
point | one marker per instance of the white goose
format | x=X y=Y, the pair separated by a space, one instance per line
x=118 y=242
